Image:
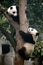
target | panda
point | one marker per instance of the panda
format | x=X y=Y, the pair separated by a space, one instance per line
x=7 y=53
x=29 y=38
x=13 y=11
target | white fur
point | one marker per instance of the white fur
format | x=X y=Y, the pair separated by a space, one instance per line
x=29 y=47
x=32 y=31
x=10 y=11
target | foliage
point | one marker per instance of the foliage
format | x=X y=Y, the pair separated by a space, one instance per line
x=8 y=3
x=35 y=13
x=38 y=50
x=2 y=19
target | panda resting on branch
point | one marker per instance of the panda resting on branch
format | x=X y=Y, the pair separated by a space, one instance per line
x=13 y=11
x=29 y=38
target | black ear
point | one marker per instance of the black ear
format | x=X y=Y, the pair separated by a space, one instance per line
x=26 y=13
x=5 y=48
x=17 y=9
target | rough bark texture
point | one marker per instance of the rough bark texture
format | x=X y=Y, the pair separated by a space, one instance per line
x=23 y=27
x=18 y=60
x=23 y=18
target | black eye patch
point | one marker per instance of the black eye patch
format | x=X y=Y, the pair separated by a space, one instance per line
x=5 y=48
x=31 y=29
x=11 y=7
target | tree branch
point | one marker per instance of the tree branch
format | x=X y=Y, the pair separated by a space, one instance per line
x=23 y=19
x=12 y=22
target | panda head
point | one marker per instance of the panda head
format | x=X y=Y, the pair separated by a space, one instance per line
x=28 y=47
x=13 y=10
x=34 y=33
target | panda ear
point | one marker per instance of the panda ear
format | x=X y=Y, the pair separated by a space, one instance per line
x=17 y=9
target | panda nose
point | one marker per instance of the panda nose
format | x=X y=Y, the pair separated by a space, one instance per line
x=13 y=12
x=37 y=34
x=7 y=12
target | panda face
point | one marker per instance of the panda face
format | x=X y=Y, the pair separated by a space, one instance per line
x=34 y=33
x=12 y=10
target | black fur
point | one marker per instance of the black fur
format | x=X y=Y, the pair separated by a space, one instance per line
x=27 y=37
x=26 y=13
x=15 y=18
x=5 y=48
x=22 y=53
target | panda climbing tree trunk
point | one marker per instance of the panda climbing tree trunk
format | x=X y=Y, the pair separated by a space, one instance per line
x=23 y=27
x=23 y=21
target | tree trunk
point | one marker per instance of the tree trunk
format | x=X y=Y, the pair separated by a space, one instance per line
x=23 y=18
x=23 y=22
x=23 y=26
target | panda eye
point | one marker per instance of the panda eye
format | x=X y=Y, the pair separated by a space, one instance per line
x=11 y=7
x=13 y=12
x=31 y=29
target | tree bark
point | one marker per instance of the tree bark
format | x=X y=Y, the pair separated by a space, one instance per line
x=23 y=22
x=23 y=27
x=23 y=18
